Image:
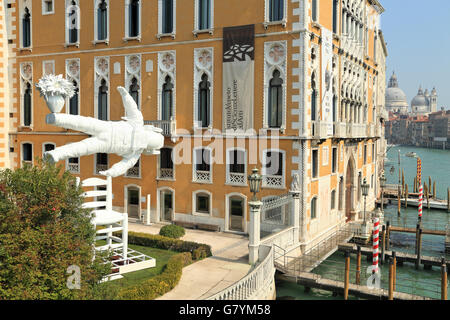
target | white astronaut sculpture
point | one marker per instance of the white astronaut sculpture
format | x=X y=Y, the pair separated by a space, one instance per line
x=128 y=138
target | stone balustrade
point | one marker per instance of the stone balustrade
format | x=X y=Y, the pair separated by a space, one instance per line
x=257 y=285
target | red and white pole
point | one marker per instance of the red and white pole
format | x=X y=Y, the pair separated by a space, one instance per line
x=376 y=238
x=420 y=201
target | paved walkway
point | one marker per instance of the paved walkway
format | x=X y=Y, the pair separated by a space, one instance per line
x=203 y=279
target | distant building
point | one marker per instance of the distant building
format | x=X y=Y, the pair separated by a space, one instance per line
x=429 y=131
x=395 y=97
x=423 y=102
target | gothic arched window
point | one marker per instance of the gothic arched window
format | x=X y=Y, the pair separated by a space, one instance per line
x=276 y=100
x=73 y=102
x=27 y=105
x=167 y=99
x=134 y=91
x=103 y=101
x=134 y=18
x=26 y=28
x=204 y=102
x=102 y=20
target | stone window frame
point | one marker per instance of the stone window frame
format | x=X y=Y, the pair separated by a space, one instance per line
x=127 y=36
x=283 y=172
x=194 y=203
x=96 y=40
x=160 y=21
x=267 y=21
x=197 y=30
x=44 y=7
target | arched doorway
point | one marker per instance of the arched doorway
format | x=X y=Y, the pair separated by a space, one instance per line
x=236 y=213
x=166 y=205
x=349 y=190
x=133 y=202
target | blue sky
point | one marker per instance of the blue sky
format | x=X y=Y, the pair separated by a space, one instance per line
x=417 y=33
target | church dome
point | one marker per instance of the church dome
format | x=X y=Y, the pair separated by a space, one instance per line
x=419 y=103
x=395 y=97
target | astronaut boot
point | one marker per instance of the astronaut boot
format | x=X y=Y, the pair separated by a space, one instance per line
x=50 y=118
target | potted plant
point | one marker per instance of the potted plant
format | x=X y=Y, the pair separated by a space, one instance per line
x=55 y=90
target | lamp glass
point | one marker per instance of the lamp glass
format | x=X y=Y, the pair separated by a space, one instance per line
x=365 y=188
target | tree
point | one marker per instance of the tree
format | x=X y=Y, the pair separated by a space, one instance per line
x=43 y=231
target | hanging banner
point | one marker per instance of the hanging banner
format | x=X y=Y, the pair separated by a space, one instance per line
x=238 y=77
x=327 y=80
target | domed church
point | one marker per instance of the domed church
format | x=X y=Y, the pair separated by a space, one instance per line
x=395 y=97
x=424 y=102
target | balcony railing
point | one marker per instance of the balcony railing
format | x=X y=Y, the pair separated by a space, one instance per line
x=273 y=181
x=165 y=173
x=356 y=130
x=319 y=129
x=340 y=130
x=236 y=178
x=202 y=176
x=100 y=167
x=133 y=172
x=168 y=127
x=73 y=167
x=371 y=130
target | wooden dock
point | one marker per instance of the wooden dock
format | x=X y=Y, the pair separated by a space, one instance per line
x=424 y=231
x=311 y=280
x=401 y=256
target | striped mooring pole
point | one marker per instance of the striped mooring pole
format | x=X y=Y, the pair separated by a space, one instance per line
x=420 y=201
x=419 y=171
x=376 y=238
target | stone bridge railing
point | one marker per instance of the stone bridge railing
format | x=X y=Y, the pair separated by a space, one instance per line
x=257 y=284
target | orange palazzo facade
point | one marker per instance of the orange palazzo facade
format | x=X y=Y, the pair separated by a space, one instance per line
x=316 y=109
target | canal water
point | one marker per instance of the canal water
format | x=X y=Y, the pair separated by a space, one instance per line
x=435 y=163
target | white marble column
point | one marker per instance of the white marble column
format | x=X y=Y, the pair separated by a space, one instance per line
x=254 y=232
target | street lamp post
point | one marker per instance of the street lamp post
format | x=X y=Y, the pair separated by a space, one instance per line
x=383 y=185
x=365 y=191
x=255 y=180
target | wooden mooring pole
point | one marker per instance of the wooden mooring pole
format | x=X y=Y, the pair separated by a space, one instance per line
x=448 y=199
x=358 y=266
x=394 y=260
x=419 y=249
x=391 y=279
x=444 y=280
x=388 y=234
x=406 y=196
x=399 y=204
x=417 y=237
x=347 y=274
x=383 y=243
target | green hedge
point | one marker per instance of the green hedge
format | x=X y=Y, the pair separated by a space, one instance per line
x=172 y=231
x=169 y=278
x=161 y=284
x=198 y=250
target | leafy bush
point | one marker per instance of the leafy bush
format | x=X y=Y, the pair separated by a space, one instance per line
x=172 y=231
x=161 y=242
x=161 y=284
x=43 y=231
